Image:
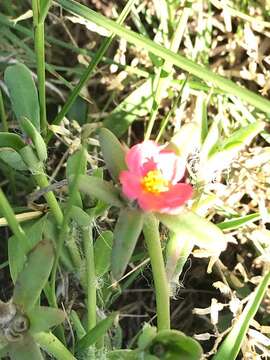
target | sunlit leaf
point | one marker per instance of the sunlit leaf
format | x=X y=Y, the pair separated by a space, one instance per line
x=126 y=233
x=242 y=136
x=196 y=229
x=178 y=250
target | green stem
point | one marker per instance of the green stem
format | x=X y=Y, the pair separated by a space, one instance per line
x=3 y=116
x=9 y=215
x=152 y=239
x=53 y=346
x=42 y=181
x=90 y=278
x=40 y=57
x=40 y=54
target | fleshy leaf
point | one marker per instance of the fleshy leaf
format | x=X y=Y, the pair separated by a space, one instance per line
x=99 y=189
x=16 y=256
x=103 y=245
x=21 y=350
x=34 y=276
x=35 y=136
x=113 y=153
x=126 y=233
x=175 y=345
x=197 y=230
x=96 y=333
x=12 y=141
x=13 y=159
x=42 y=318
x=23 y=93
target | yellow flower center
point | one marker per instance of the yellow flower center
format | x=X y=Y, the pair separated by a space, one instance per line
x=154 y=182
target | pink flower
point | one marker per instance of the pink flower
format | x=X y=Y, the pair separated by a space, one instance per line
x=153 y=177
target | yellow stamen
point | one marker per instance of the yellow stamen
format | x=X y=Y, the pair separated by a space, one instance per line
x=154 y=182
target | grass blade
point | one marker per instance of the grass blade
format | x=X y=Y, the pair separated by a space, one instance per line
x=230 y=347
x=180 y=61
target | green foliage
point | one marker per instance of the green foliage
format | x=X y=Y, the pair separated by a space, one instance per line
x=23 y=93
x=42 y=318
x=12 y=141
x=103 y=245
x=99 y=189
x=16 y=256
x=199 y=231
x=35 y=136
x=96 y=333
x=176 y=59
x=113 y=153
x=126 y=234
x=29 y=283
x=231 y=346
x=137 y=104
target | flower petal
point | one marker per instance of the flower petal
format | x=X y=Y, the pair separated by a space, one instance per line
x=169 y=202
x=140 y=154
x=172 y=166
x=131 y=186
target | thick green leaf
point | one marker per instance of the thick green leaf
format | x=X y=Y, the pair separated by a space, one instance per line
x=12 y=141
x=53 y=346
x=102 y=252
x=80 y=217
x=77 y=163
x=197 y=230
x=175 y=345
x=113 y=152
x=99 y=189
x=16 y=256
x=231 y=346
x=34 y=276
x=135 y=105
x=31 y=160
x=242 y=137
x=23 y=93
x=42 y=318
x=13 y=159
x=96 y=333
x=126 y=233
x=35 y=136
x=21 y=350
x=125 y=355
